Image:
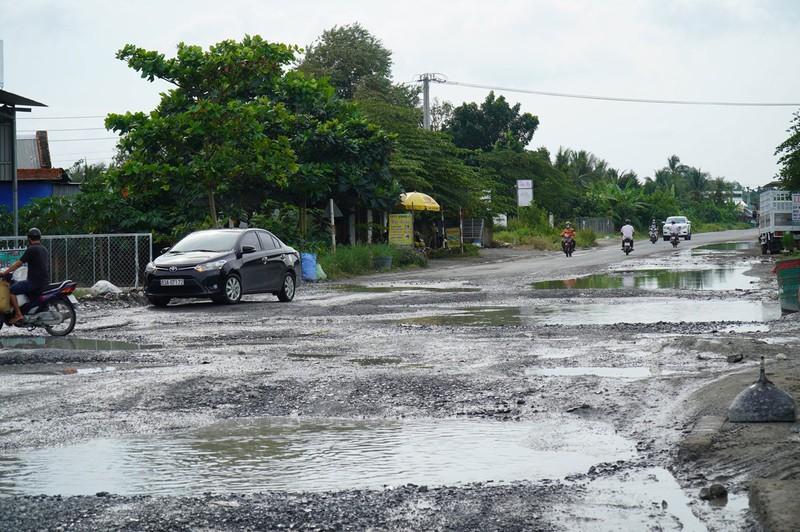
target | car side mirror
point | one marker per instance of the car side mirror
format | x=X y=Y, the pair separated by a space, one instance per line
x=248 y=249
x=164 y=250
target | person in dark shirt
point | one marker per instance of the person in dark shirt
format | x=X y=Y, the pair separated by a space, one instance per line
x=37 y=257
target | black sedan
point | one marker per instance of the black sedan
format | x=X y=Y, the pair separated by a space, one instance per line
x=223 y=264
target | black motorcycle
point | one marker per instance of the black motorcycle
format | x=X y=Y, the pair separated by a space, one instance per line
x=52 y=308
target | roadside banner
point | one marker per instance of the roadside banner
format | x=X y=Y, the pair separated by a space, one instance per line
x=453 y=237
x=401 y=229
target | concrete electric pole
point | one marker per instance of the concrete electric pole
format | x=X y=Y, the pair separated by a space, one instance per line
x=426 y=96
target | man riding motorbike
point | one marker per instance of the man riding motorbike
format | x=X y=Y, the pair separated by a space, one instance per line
x=627 y=233
x=37 y=257
x=568 y=235
x=673 y=230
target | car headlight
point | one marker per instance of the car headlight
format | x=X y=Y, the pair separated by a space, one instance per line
x=210 y=266
x=150 y=268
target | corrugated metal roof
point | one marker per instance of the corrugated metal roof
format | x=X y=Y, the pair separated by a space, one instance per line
x=27 y=152
x=9 y=98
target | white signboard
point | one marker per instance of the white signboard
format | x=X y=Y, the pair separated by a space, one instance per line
x=795 y=209
x=524 y=192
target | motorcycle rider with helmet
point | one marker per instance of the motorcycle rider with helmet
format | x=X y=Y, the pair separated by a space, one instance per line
x=569 y=233
x=37 y=257
x=627 y=233
x=673 y=230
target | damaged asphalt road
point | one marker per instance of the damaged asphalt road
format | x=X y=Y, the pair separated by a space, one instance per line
x=464 y=340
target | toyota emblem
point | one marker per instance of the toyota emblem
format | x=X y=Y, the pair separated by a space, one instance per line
x=173 y=268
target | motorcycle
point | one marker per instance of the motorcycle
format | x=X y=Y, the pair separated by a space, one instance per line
x=52 y=308
x=653 y=236
x=567 y=245
x=674 y=240
x=627 y=245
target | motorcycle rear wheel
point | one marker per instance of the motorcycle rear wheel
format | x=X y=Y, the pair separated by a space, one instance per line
x=67 y=311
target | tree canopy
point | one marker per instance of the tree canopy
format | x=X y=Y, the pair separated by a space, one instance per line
x=789 y=152
x=349 y=56
x=239 y=127
x=494 y=124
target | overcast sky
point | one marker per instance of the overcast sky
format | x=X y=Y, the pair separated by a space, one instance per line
x=737 y=51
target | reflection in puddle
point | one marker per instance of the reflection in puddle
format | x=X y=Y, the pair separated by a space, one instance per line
x=397 y=288
x=471 y=317
x=607 y=499
x=647 y=311
x=711 y=279
x=728 y=246
x=314 y=455
x=84 y=344
x=621 y=373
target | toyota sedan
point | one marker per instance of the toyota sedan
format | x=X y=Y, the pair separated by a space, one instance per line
x=223 y=265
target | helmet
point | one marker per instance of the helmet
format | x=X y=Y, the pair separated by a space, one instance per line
x=627 y=220
x=567 y=224
x=673 y=221
x=34 y=234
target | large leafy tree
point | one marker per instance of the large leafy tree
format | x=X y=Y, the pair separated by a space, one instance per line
x=492 y=124
x=350 y=57
x=789 y=152
x=238 y=129
x=217 y=131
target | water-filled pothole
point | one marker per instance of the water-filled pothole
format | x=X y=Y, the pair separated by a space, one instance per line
x=83 y=344
x=732 y=278
x=727 y=246
x=650 y=310
x=399 y=288
x=313 y=455
x=617 y=373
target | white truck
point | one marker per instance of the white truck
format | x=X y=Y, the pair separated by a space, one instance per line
x=779 y=213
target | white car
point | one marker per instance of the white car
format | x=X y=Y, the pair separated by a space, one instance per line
x=684 y=227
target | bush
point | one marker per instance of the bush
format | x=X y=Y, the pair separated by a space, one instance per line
x=788 y=242
x=351 y=261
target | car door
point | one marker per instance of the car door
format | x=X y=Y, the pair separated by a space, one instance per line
x=276 y=260
x=254 y=264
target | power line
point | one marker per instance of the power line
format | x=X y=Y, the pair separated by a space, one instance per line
x=621 y=99
x=65 y=129
x=79 y=140
x=60 y=117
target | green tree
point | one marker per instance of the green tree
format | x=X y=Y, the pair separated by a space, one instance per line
x=216 y=131
x=789 y=152
x=494 y=123
x=349 y=56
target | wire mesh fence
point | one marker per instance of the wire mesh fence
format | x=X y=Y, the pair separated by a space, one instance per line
x=117 y=258
x=601 y=226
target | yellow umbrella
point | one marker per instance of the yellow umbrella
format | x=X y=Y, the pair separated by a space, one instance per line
x=417 y=201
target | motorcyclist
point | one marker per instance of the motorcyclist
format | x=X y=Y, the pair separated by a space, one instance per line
x=627 y=233
x=569 y=233
x=673 y=229
x=653 y=226
x=37 y=257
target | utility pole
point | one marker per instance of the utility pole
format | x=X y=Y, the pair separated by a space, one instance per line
x=426 y=96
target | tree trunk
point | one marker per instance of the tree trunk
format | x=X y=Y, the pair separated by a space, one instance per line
x=212 y=205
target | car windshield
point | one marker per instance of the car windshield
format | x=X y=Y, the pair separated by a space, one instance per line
x=206 y=241
x=677 y=220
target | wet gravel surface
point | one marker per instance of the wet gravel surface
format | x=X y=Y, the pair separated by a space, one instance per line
x=457 y=340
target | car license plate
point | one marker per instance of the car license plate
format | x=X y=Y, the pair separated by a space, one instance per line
x=171 y=282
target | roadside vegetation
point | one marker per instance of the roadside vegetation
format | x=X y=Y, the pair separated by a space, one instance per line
x=268 y=133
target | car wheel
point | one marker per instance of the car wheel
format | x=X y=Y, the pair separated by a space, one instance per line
x=158 y=301
x=287 y=289
x=232 y=291
x=688 y=237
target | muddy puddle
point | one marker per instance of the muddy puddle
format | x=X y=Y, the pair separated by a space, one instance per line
x=83 y=344
x=314 y=455
x=398 y=288
x=732 y=278
x=650 y=310
x=614 y=373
